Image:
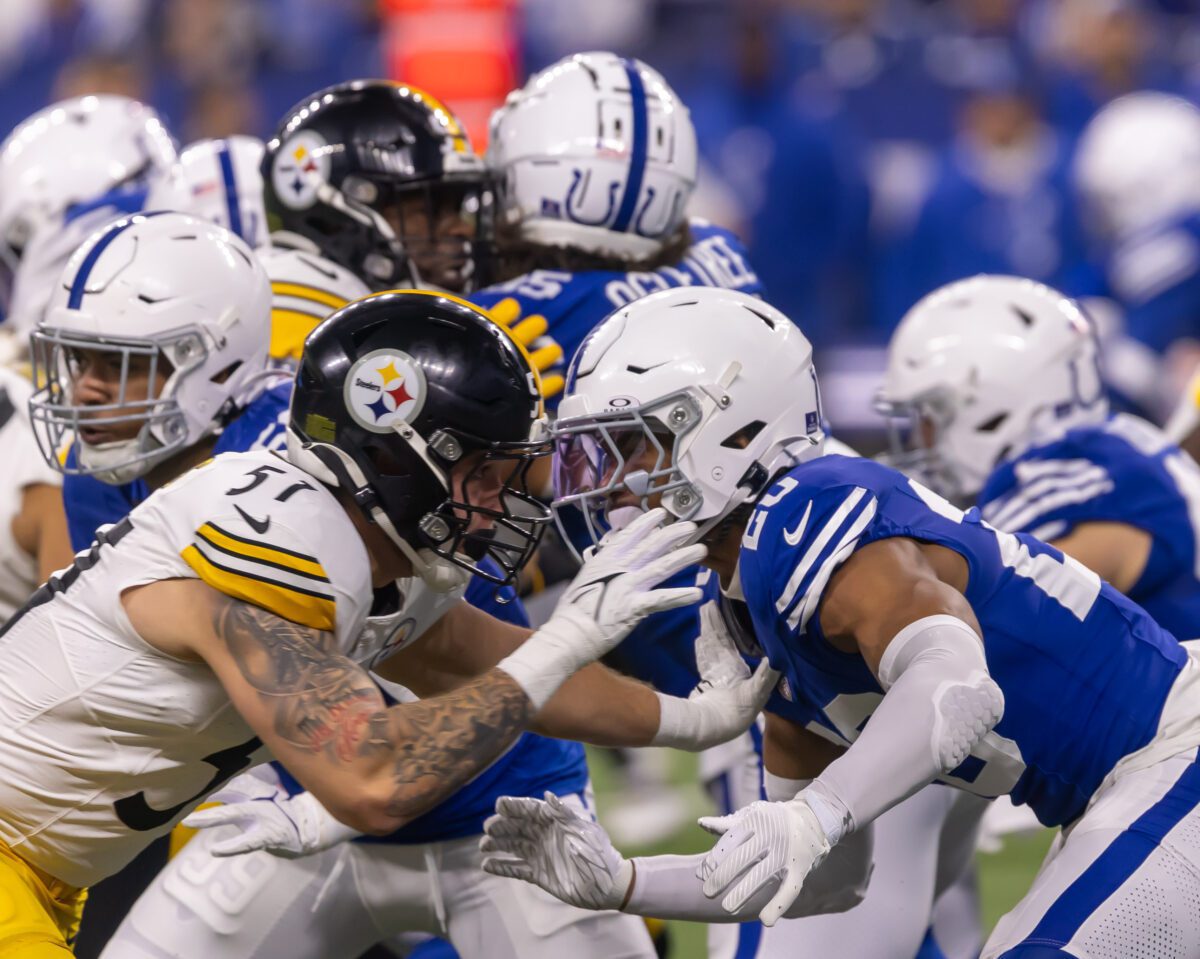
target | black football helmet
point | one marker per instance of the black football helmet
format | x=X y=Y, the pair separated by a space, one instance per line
x=429 y=415
x=383 y=179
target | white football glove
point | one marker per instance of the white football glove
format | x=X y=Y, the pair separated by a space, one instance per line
x=763 y=844
x=551 y=845
x=726 y=701
x=612 y=593
x=265 y=817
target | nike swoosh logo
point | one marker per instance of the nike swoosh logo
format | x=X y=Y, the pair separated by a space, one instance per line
x=797 y=534
x=259 y=526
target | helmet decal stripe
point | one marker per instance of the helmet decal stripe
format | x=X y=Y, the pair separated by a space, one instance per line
x=637 y=154
x=79 y=284
x=231 y=191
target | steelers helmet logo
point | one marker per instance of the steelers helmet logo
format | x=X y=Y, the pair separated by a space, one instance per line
x=383 y=389
x=301 y=166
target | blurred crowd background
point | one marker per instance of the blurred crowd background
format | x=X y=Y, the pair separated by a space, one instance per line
x=867 y=150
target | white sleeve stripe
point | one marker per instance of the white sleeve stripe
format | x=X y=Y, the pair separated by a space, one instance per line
x=812 y=596
x=266 y=572
x=1016 y=522
x=999 y=513
x=1030 y=470
x=819 y=543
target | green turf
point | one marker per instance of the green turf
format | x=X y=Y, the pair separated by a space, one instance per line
x=1003 y=876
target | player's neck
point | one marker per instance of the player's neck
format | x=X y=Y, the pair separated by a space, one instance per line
x=180 y=463
x=388 y=563
x=723 y=550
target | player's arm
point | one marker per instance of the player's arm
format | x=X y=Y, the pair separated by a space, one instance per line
x=375 y=768
x=40 y=528
x=571 y=857
x=596 y=705
x=920 y=638
x=1116 y=552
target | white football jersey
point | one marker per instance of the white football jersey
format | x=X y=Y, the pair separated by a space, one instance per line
x=105 y=741
x=21 y=466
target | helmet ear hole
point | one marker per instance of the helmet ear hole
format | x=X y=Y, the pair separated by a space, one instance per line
x=222 y=376
x=993 y=424
x=740 y=439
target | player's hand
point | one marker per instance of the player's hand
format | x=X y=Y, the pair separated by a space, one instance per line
x=552 y=846
x=726 y=701
x=614 y=590
x=544 y=353
x=265 y=817
x=762 y=845
x=612 y=593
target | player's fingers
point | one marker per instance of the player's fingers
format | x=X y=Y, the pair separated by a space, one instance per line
x=236 y=845
x=208 y=818
x=748 y=886
x=764 y=680
x=505 y=311
x=731 y=858
x=545 y=357
x=715 y=824
x=788 y=890
x=529 y=329
x=508 y=868
x=552 y=385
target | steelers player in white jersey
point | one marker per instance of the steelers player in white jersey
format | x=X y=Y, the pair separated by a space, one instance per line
x=222 y=621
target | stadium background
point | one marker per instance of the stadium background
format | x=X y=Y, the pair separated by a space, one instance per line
x=867 y=150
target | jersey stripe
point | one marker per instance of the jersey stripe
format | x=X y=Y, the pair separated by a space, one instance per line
x=1030 y=506
x=276 y=556
x=314 y=294
x=812 y=594
x=299 y=605
x=822 y=539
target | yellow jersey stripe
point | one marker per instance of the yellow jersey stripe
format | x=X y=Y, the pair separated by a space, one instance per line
x=285 y=559
x=305 y=292
x=309 y=608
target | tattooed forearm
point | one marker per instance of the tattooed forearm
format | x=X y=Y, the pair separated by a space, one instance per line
x=324 y=704
x=444 y=742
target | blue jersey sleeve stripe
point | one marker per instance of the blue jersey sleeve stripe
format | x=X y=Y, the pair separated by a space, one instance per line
x=637 y=153
x=79 y=284
x=229 y=179
x=812 y=593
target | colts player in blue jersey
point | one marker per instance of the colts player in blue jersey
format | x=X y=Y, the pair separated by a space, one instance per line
x=596 y=162
x=917 y=644
x=1000 y=377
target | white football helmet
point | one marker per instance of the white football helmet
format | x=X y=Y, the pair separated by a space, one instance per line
x=597 y=153
x=305 y=288
x=982 y=369
x=720 y=385
x=219 y=180
x=69 y=160
x=1138 y=162
x=185 y=294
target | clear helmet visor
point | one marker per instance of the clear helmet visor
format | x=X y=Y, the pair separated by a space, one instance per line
x=607 y=468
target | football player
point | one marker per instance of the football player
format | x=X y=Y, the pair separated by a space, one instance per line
x=65 y=172
x=222 y=620
x=984 y=659
x=999 y=379
x=596 y=162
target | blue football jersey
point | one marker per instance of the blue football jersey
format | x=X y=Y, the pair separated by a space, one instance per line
x=1121 y=471
x=574 y=303
x=531 y=766
x=1155 y=276
x=1085 y=672
x=90 y=504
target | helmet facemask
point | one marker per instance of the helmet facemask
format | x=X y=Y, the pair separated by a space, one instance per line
x=917 y=435
x=632 y=453
x=57 y=358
